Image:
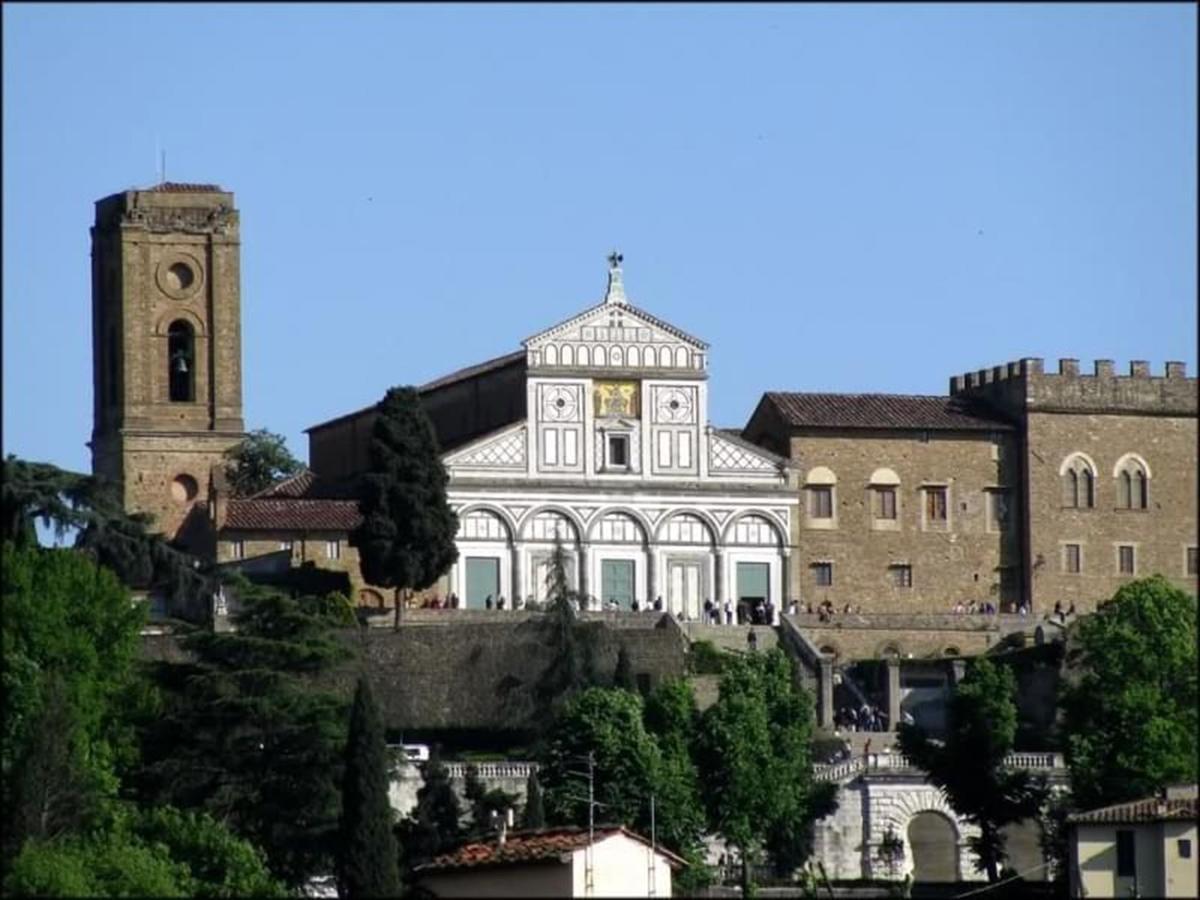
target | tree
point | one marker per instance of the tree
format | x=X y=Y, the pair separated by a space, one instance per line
x=246 y=734
x=406 y=539
x=572 y=665
x=623 y=674
x=485 y=803
x=70 y=640
x=1129 y=698
x=969 y=765
x=259 y=461
x=753 y=755
x=368 y=858
x=434 y=826
x=534 y=814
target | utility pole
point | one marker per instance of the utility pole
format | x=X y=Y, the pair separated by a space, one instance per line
x=589 y=878
x=651 y=882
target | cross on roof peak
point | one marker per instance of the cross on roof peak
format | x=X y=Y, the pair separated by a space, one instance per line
x=616 y=289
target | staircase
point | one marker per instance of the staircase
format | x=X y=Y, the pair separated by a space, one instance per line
x=732 y=637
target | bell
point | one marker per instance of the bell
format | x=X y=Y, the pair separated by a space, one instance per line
x=181 y=366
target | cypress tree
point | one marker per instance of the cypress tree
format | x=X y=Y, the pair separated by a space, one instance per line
x=623 y=676
x=534 y=814
x=434 y=825
x=406 y=539
x=368 y=864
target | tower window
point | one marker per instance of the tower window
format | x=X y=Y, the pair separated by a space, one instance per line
x=618 y=450
x=181 y=362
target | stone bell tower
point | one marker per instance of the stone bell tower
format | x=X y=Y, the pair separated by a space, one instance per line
x=166 y=349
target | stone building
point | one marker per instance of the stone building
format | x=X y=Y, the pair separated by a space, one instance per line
x=596 y=435
x=166 y=349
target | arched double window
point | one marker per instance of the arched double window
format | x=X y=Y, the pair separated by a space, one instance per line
x=181 y=362
x=1078 y=482
x=1133 y=482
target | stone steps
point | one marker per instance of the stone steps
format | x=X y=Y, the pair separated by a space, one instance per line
x=731 y=637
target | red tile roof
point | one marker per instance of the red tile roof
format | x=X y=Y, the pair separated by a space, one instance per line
x=290 y=514
x=305 y=485
x=178 y=187
x=1151 y=809
x=882 y=411
x=542 y=845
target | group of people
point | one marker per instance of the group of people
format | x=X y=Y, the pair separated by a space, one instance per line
x=976 y=609
x=1060 y=613
x=866 y=718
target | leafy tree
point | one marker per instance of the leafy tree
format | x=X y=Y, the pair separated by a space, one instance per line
x=434 y=826
x=670 y=716
x=753 y=755
x=485 y=803
x=969 y=765
x=1129 y=700
x=70 y=641
x=406 y=539
x=368 y=864
x=534 y=814
x=623 y=674
x=259 y=461
x=246 y=735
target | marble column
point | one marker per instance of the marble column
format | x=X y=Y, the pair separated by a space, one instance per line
x=651 y=577
x=825 y=712
x=516 y=576
x=583 y=575
x=786 y=579
x=719 y=578
x=893 y=692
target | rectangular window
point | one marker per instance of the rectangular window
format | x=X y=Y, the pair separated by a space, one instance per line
x=1193 y=561
x=1126 y=865
x=664 y=450
x=1072 y=559
x=618 y=451
x=333 y=549
x=901 y=575
x=823 y=574
x=238 y=549
x=1125 y=559
x=935 y=504
x=1183 y=847
x=550 y=447
x=885 y=503
x=821 y=502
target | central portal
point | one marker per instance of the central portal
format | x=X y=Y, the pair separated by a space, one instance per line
x=686 y=579
x=616 y=582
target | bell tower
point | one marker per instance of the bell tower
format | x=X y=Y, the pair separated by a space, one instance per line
x=166 y=348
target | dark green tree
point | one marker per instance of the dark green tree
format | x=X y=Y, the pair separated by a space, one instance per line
x=969 y=764
x=572 y=665
x=623 y=674
x=368 y=858
x=247 y=734
x=406 y=539
x=259 y=461
x=1129 y=697
x=534 y=814
x=434 y=827
x=486 y=804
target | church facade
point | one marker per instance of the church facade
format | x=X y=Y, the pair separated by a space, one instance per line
x=595 y=435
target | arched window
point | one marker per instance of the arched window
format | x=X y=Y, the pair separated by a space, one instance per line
x=1133 y=482
x=885 y=490
x=181 y=362
x=1078 y=482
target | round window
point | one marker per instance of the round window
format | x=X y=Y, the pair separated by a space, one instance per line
x=180 y=276
x=184 y=489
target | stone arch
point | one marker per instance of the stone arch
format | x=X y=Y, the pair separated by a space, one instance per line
x=162 y=327
x=951 y=650
x=1080 y=455
x=885 y=477
x=904 y=806
x=371 y=598
x=568 y=355
x=831 y=649
x=634 y=359
x=616 y=357
x=705 y=518
x=594 y=523
x=1077 y=473
x=550 y=355
x=820 y=475
x=504 y=517
x=599 y=356
x=765 y=517
x=664 y=358
x=649 y=359
x=933 y=846
x=1128 y=458
x=681 y=357
x=889 y=649
x=584 y=357
x=571 y=517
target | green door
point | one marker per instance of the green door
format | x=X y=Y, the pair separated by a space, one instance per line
x=752 y=581
x=616 y=581
x=483 y=581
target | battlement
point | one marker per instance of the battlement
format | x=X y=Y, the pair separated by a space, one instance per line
x=1024 y=386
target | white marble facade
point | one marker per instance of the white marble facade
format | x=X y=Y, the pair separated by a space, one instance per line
x=617 y=459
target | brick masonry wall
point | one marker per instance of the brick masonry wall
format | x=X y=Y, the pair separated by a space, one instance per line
x=1160 y=533
x=959 y=562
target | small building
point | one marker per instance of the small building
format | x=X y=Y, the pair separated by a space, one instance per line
x=1144 y=848
x=554 y=862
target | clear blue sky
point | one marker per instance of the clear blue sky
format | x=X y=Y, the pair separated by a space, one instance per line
x=838 y=198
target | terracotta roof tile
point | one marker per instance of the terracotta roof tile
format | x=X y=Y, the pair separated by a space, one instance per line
x=306 y=485
x=883 y=411
x=291 y=514
x=1151 y=809
x=543 y=845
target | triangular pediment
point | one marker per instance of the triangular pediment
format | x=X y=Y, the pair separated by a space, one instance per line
x=728 y=454
x=609 y=323
x=503 y=449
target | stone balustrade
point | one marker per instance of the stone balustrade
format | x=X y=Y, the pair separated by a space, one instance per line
x=897 y=762
x=489 y=771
